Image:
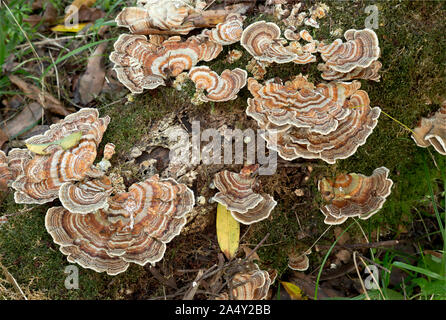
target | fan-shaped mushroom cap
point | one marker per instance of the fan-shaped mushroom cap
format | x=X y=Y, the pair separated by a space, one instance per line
x=109 y=151
x=354 y=195
x=167 y=15
x=299 y=261
x=42 y=175
x=360 y=50
x=352 y=132
x=235 y=192
x=262 y=40
x=134 y=228
x=219 y=88
x=432 y=131
x=141 y=65
x=87 y=196
x=251 y=285
x=227 y=32
x=299 y=103
x=369 y=73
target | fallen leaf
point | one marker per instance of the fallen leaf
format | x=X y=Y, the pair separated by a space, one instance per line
x=91 y=82
x=228 y=231
x=294 y=291
x=27 y=119
x=247 y=250
x=3 y=138
x=44 y=98
x=70 y=10
x=344 y=238
x=67 y=28
x=66 y=143
x=86 y=14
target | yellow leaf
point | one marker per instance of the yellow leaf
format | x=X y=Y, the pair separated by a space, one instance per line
x=293 y=290
x=228 y=231
x=66 y=143
x=62 y=28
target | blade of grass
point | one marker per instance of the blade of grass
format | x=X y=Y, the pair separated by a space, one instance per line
x=74 y=52
x=426 y=272
x=325 y=260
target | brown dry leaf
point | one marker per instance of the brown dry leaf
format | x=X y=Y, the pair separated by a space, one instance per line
x=23 y=122
x=3 y=137
x=92 y=81
x=77 y=4
x=344 y=238
x=49 y=15
x=343 y=255
x=44 y=98
x=87 y=14
x=247 y=250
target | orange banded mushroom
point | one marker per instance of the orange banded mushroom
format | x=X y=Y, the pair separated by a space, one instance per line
x=369 y=73
x=360 y=50
x=432 y=131
x=262 y=40
x=219 y=88
x=236 y=193
x=164 y=15
x=227 y=32
x=42 y=175
x=354 y=195
x=299 y=103
x=295 y=142
x=134 y=228
x=141 y=65
x=250 y=285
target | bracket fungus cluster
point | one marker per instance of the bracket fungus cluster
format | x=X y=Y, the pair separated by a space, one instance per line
x=354 y=59
x=237 y=194
x=43 y=174
x=262 y=40
x=249 y=285
x=98 y=226
x=432 y=131
x=227 y=32
x=134 y=226
x=219 y=88
x=140 y=64
x=327 y=121
x=354 y=195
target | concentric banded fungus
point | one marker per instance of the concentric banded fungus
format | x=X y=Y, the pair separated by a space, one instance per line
x=251 y=285
x=360 y=50
x=141 y=65
x=369 y=73
x=299 y=261
x=219 y=88
x=432 y=131
x=164 y=15
x=354 y=195
x=134 y=228
x=42 y=175
x=294 y=142
x=299 y=103
x=262 y=40
x=87 y=196
x=227 y=32
x=235 y=192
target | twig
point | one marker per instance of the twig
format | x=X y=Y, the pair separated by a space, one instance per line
x=388 y=243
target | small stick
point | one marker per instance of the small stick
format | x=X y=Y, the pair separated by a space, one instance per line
x=388 y=243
